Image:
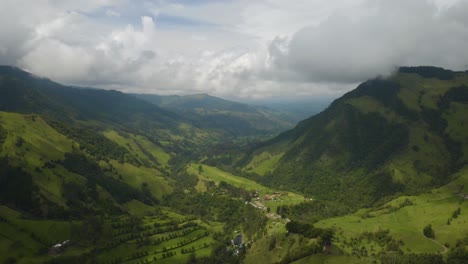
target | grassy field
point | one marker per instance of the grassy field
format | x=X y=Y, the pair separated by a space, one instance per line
x=51 y=232
x=138 y=208
x=216 y=175
x=27 y=241
x=406 y=222
x=276 y=247
x=141 y=147
x=32 y=138
x=265 y=160
x=263 y=163
x=137 y=176
x=31 y=143
x=14 y=243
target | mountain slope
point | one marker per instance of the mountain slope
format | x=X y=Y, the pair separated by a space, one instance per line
x=404 y=133
x=232 y=118
x=390 y=232
x=63 y=137
x=25 y=93
x=102 y=170
x=83 y=112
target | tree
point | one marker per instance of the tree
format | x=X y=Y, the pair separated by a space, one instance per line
x=9 y=260
x=458 y=255
x=327 y=236
x=428 y=231
x=456 y=213
x=192 y=258
x=200 y=169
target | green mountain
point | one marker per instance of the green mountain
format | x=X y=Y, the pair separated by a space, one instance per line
x=378 y=177
x=63 y=137
x=385 y=167
x=230 y=118
x=104 y=170
x=26 y=93
x=401 y=134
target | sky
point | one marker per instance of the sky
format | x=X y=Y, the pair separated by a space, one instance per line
x=251 y=49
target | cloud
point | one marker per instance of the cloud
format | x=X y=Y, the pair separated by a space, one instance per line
x=347 y=47
x=23 y=24
x=12 y=47
x=39 y=60
x=230 y=48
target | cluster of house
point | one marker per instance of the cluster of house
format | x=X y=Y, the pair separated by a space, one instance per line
x=273 y=197
x=268 y=197
x=258 y=205
x=257 y=202
x=59 y=248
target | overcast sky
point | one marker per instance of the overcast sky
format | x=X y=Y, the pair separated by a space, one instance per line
x=230 y=48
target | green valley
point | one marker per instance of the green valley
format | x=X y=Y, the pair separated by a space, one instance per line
x=97 y=176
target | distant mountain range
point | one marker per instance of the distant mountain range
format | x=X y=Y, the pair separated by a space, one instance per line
x=233 y=118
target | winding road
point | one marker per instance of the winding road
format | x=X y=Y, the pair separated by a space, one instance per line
x=438 y=243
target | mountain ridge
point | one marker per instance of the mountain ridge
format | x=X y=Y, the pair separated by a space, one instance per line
x=233 y=118
x=374 y=130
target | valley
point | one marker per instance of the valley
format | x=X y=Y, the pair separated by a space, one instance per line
x=380 y=176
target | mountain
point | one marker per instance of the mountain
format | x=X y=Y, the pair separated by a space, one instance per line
x=26 y=93
x=95 y=176
x=294 y=109
x=231 y=118
x=70 y=109
x=401 y=134
x=73 y=136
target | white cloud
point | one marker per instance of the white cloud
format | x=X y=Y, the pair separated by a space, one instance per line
x=347 y=47
x=56 y=60
x=239 y=49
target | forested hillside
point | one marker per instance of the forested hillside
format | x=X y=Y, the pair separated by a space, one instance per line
x=105 y=171
x=402 y=134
